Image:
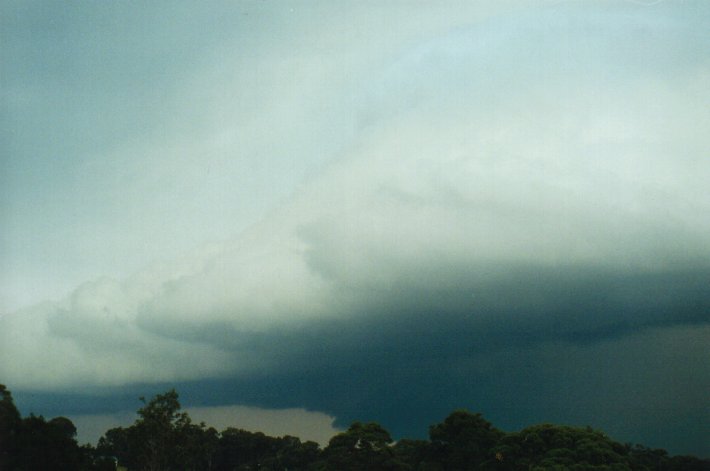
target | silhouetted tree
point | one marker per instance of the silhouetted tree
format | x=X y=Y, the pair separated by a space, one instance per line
x=548 y=446
x=463 y=441
x=292 y=454
x=361 y=447
x=47 y=445
x=9 y=428
x=161 y=439
x=164 y=438
x=418 y=455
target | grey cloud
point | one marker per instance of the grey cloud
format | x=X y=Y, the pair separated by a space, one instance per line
x=483 y=239
x=456 y=208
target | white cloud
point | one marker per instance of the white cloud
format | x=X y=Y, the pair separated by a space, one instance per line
x=149 y=132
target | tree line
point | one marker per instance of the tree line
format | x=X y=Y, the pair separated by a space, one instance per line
x=164 y=438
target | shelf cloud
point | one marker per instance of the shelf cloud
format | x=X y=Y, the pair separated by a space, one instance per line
x=519 y=217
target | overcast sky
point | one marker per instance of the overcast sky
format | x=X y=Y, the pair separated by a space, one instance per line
x=360 y=210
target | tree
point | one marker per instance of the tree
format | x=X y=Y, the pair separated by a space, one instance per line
x=294 y=454
x=47 y=445
x=118 y=443
x=164 y=438
x=361 y=447
x=464 y=440
x=687 y=463
x=161 y=439
x=196 y=445
x=417 y=455
x=157 y=431
x=240 y=449
x=548 y=446
x=9 y=427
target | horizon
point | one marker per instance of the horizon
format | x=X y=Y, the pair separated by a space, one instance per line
x=318 y=212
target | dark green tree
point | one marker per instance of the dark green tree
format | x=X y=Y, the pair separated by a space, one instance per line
x=290 y=454
x=9 y=428
x=464 y=441
x=47 y=445
x=241 y=450
x=162 y=438
x=548 y=446
x=157 y=431
x=418 y=455
x=196 y=447
x=362 y=447
x=687 y=463
x=118 y=443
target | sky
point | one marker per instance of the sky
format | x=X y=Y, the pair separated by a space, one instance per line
x=310 y=213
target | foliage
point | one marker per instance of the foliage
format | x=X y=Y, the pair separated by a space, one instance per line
x=33 y=443
x=362 y=447
x=9 y=427
x=549 y=446
x=164 y=438
x=464 y=441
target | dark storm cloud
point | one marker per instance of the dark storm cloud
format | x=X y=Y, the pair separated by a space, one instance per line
x=520 y=229
x=511 y=305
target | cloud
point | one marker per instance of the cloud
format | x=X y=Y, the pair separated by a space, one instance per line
x=451 y=197
x=134 y=134
x=535 y=184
